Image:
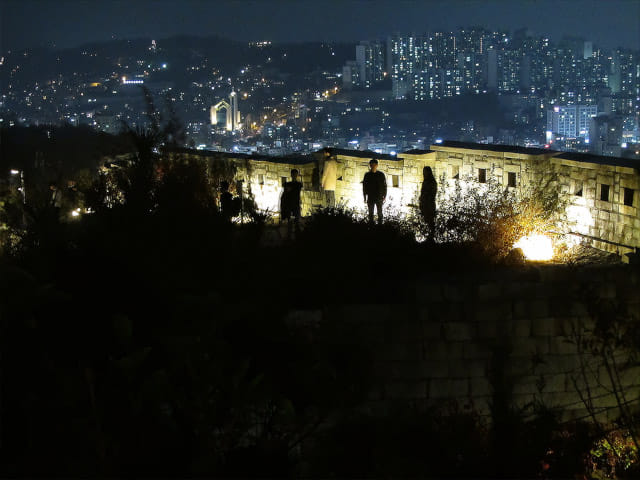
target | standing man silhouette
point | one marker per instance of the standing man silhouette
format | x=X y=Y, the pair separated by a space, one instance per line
x=374 y=188
x=291 y=201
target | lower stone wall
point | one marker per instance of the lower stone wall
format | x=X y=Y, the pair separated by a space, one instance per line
x=461 y=337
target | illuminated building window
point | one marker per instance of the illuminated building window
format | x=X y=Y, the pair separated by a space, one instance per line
x=628 y=196
x=577 y=189
x=604 y=192
x=482 y=175
x=511 y=179
x=395 y=179
x=261 y=179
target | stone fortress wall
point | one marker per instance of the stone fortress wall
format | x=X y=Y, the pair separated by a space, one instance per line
x=461 y=336
x=603 y=193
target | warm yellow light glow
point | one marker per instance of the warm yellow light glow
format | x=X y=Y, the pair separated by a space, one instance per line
x=579 y=216
x=536 y=247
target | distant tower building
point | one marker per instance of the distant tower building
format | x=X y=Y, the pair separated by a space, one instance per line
x=605 y=136
x=571 y=121
x=588 y=50
x=402 y=65
x=232 y=116
x=350 y=75
x=371 y=63
x=492 y=69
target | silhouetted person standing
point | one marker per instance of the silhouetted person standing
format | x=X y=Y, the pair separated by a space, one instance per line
x=329 y=178
x=428 y=200
x=290 y=202
x=374 y=188
x=226 y=200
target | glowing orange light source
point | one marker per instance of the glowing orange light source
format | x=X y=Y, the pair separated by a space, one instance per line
x=536 y=247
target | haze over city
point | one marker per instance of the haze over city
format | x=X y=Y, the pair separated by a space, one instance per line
x=70 y=23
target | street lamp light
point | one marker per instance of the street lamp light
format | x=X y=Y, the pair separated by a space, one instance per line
x=22 y=190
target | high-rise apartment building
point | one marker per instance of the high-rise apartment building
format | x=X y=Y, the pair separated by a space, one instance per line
x=570 y=121
x=371 y=62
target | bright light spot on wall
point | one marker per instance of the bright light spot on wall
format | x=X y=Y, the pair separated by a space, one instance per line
x=438 y=140
x=536 y=247
x=579 y=216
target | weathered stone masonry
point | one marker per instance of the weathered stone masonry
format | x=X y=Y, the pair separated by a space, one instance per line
x=442 y=346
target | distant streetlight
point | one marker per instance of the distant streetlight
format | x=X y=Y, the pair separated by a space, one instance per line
x=21 y=189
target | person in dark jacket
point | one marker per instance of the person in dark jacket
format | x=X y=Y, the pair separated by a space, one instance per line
x=428 y=200
x=290 y=201
x=226 y=200
x=374 y=189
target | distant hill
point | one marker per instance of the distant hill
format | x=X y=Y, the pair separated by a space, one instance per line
x=179 y=52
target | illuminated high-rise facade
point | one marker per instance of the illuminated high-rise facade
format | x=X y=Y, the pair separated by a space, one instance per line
x=570 y=121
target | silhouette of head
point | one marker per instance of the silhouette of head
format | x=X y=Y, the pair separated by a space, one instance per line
x=294 y=174
x=373 y=164
x=427 y=173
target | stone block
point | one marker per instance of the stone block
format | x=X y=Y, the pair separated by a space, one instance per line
x=401 y=351
x=543 y=327
x=453 y=293
x=561 y=346
x=526 y=347
x=521 y=328
x=567 y=364
x=458 y=331
x=479 y=386
x=476 y=350
x=448 y=388
x=372 y=334
x=493 y=311
x=467 y=368
x=434 y=368
x=439 y=388
x=406 y=390
x=459 y=388
x=432 y=330
x=429 y=293
x=447 y=312
x=365 y=313
x=539 y=308
x=403 y=330
x=556 y=383
x=526 y=385
x=579 y=309
x=488 y=329
x=489 y=291
x=442 y=350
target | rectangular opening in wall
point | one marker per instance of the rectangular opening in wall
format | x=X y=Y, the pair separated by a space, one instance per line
x=482 y=175
x=284 y=180
x=395 y=181
x=604 y=192
x=511 y=179
x=261 y=179
x=628 y=196
x=577 y=189
x=455 y=172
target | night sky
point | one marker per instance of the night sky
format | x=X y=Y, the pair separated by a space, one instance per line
x=69 y=23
